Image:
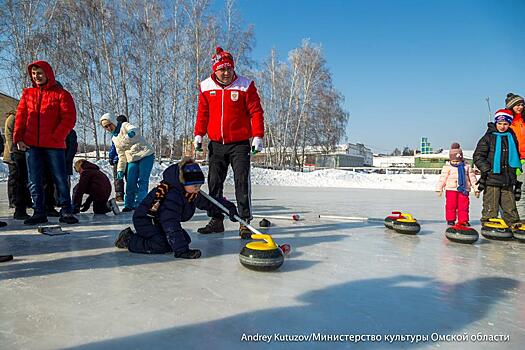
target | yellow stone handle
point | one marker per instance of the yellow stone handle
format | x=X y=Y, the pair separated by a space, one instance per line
x=267 y=238
x=499 y=221
x=407 y=216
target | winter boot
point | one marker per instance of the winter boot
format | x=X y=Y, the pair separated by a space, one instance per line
x=244 y=231
x=123 y=238
x=68 y=219
x=215 y=225
x=3 y=223
x=4 y=258
x=20 y=214
x=33 y=220
x=451 y=222
x=189 y=254
x=113 y=206
x=127 y=209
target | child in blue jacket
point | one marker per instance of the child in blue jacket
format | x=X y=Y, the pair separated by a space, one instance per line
x=158 y=218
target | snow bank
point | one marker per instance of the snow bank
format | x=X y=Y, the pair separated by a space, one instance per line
x=319 y=178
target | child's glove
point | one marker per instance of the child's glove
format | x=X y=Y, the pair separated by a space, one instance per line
x=131 y=134
x=87 y=204
x=517 y=191
x=120 y=175
x=439 y=193
x=518 y=170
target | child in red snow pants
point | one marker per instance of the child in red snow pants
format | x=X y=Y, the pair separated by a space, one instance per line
x=457 y=202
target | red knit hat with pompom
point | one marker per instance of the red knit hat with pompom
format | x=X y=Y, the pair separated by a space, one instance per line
x=221 y=59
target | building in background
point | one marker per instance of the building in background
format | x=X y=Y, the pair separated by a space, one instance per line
x=346 y=155
x=426 y=148
x=437 y=160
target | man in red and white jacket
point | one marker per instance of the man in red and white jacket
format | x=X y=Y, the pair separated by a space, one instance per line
x=230 y=113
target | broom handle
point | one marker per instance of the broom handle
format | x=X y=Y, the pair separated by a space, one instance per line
x=351 y=218
x=223 y=208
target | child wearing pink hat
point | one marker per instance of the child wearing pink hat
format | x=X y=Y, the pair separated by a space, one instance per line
x=457 y=178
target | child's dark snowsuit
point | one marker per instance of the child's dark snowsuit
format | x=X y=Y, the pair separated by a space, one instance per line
x=163 y=232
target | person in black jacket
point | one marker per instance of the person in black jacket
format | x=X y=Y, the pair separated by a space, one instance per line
x=496 y=156
x=158 y=218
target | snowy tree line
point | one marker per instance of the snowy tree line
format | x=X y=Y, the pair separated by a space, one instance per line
x=145 y=59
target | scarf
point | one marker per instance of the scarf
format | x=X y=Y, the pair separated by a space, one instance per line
x=514 y=158
x=160 y=194
x=462 y=179
x=117 y=129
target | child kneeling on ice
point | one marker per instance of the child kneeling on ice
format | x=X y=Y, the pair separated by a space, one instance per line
x=496 y=156
x=457 y=178
x=96 y=185
x=158 y=217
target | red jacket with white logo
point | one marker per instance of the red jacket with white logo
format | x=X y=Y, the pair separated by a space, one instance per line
x=229 y=113
x=46 y=114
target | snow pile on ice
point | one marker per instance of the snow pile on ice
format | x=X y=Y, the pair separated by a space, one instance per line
x=341 y=178
x=319 y=178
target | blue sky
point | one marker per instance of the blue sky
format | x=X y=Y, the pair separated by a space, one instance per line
x=407 y=68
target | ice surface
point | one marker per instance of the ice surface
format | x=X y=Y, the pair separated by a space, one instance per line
x=78 y=291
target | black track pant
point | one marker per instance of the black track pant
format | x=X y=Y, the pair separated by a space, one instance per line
x=238 y=156
x=17 y=189
x=119 y=184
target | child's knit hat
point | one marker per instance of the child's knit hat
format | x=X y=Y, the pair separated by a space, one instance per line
x=512 y=100
x=455 y=153
x=190 y=172
x=503 y=115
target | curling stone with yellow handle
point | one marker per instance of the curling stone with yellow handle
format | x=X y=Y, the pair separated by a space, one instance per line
x=518 y=231
x=262 y=255
x=496 y=229
x=259 y=256
x=406 y=225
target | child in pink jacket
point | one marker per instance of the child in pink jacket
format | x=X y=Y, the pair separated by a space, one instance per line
x=457 y=178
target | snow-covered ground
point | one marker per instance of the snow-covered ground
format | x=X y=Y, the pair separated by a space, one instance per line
x=319 y=178
x=77 y=291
